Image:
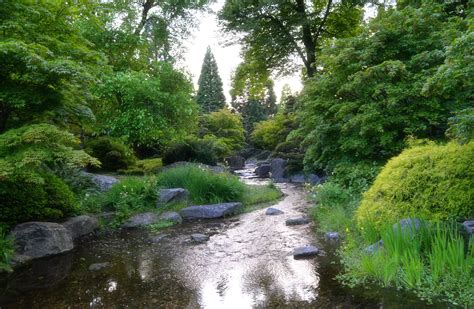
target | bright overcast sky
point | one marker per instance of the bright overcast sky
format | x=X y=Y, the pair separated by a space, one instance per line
x=228 y=58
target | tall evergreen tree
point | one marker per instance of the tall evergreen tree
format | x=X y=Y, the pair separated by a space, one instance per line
x=210 y=95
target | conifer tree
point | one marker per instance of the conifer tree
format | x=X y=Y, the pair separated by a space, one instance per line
x=210 y=95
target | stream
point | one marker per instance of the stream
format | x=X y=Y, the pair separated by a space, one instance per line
x=247 y=263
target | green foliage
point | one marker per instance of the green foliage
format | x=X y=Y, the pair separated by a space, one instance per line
x=434 y=262
x=334 y=207
x=112 y=154
x=191 y=150
x=210 y=95
x=272 y=33
x=205 y=187
x=461 y=126
x=129 y=196
x=27 y=152
x=370 y=92
x=6 y=251
x=144 y=167
x=148 y=109
x=21 y=200
x=157 y=227
x=225 y=130
x=431 y=181
x=47 y=67
x=268 y=133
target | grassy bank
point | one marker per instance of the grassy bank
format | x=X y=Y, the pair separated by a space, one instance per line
x=436 y=263
x=139 y=194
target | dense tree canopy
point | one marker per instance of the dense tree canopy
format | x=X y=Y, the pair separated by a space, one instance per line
x=210 y=95
x=275 y=32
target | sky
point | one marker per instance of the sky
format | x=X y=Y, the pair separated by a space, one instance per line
x=227 y=58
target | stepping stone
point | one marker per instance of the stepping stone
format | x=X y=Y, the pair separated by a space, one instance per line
x=273 y=211
x=305 y=252
x=199 y=237
x=171 y=216
x=297 y=221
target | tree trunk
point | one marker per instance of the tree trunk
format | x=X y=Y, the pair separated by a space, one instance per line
x=307 y=38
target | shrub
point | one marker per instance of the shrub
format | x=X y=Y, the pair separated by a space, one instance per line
x=112 y=154
x=144 y=167
x=192 y=150
x=224 y=129
x=204 y=186
x=22 y=201
x=434 y=182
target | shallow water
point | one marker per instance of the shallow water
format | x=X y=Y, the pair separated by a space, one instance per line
x=247 y=263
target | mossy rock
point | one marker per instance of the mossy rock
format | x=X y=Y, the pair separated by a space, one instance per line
x=433 y=182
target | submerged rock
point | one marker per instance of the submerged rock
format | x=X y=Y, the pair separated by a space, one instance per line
x=273 y=211
x=297 y=221
x=81 y=225
x=99 y=266
x=39 y=239
x=332 y=236
x=171 y=216
x=305 y=252
x=175 y=195
x=199 y=237
x=211 y=211
x=140 y=220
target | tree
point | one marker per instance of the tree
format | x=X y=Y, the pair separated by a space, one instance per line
x=46 y=66
x=210 y=96
x=147 y=109
x=369 y=95
x=275 y=32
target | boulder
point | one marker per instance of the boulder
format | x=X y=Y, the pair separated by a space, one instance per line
x=273 y=211
x=263 y=171
x=99 y=266
x=410 y=224
x=81 y=225
x=199 y=237
x=297 y=221
x=332 y=236
x=469 y=227
x=210 y=211
x=103 y=182
x=171 y=216
x=374 y=247
x=299 y=178
x=305 y=252
x=175 y=195
x=235 y=162
x=39 y=239
x=140 y=220
x=277 y=169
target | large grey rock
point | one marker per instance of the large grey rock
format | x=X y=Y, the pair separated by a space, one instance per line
x=374 y=247
x=175 y=195
x=263 y=171
x=278 y=168
x=305 y=252
x=297 y=221
x=469 y=227
x=412 y=225
x=235 y=162
x=199 y=237
x=103 y=182
x=211 y=211
x=171 y=216
x=39 y=239
x=140 y=220
x=273 y=211
x=81 y=225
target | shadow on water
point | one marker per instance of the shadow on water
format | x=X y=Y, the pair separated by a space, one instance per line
x=247 y=263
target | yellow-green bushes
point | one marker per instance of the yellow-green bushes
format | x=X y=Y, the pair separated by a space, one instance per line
x=434 y=182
